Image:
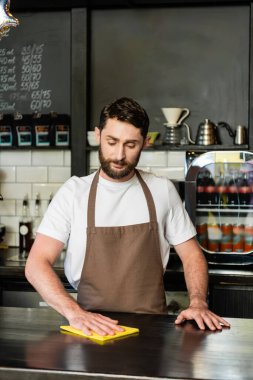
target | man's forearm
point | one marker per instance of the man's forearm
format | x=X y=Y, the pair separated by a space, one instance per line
x=195 y=270
x=196 y=278
x=49 y=286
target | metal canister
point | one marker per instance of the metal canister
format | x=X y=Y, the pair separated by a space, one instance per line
x=226 y=244
x=240 y=135
x=202 y=234
x=238 y=238
x=248 y=238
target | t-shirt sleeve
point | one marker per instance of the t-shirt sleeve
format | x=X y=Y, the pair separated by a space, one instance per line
x=56 y=221
x=179 y=227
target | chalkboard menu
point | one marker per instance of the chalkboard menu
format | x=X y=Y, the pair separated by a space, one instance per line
x=35 y=64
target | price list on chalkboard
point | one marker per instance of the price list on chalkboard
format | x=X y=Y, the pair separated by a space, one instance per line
x=34 y=62
x=8 y=79
x=24 y=85
x=31 y=72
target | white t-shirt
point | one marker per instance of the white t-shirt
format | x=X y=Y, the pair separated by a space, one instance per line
x=117 y=204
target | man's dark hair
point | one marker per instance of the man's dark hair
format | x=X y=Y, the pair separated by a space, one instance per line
x=125 y=109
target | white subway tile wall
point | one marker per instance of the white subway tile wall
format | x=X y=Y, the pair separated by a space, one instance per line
x=29 y=172
x=57 y=174
x=40 y=159
x=154 y=159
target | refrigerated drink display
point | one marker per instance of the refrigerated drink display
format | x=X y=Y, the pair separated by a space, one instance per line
x=221 y=205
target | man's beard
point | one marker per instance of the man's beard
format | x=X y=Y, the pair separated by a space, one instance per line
x=117 y=174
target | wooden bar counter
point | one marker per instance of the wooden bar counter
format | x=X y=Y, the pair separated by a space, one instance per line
x=33 y=347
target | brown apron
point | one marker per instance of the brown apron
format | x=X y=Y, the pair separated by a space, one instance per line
x=122 y=269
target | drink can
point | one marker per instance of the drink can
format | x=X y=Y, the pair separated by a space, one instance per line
x=213 y=245
x=227 y=237
x=238 y=238
x=202 y=239
x=227 y=229
x=214 y=237
x=202 y=234
x=201 y=228
x=248 y=244
x=248 y=230
x=226 y=244
x=248 y=238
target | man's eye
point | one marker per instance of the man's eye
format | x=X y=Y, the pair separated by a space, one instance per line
x=111 y=142
x=131 y=146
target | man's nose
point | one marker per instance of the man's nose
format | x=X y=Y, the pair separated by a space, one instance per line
x=120 y=154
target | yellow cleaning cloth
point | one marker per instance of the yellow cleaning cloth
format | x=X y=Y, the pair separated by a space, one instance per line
x=118 y=334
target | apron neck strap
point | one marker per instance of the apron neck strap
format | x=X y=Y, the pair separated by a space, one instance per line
x=92 y=201
x=93 y=193
x=148 y=196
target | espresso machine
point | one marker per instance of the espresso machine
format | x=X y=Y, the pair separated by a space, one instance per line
x=176 y=132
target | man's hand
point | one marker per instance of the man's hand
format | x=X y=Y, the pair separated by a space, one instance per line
x=39 y=272
x=100 y=324
x=196 y=277
x=202 y=316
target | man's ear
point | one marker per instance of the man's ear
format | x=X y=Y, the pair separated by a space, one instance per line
x=146 y=142
x=97 y=134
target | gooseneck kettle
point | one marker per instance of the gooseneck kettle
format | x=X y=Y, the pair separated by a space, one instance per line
x=208 y=132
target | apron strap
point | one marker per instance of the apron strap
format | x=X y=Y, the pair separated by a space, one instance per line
x=92 y=200
x=149 y=198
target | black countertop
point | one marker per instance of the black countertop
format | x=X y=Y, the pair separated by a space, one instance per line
x=32 y=347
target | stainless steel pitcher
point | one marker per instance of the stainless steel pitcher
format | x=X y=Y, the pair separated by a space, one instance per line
x=240 y=135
